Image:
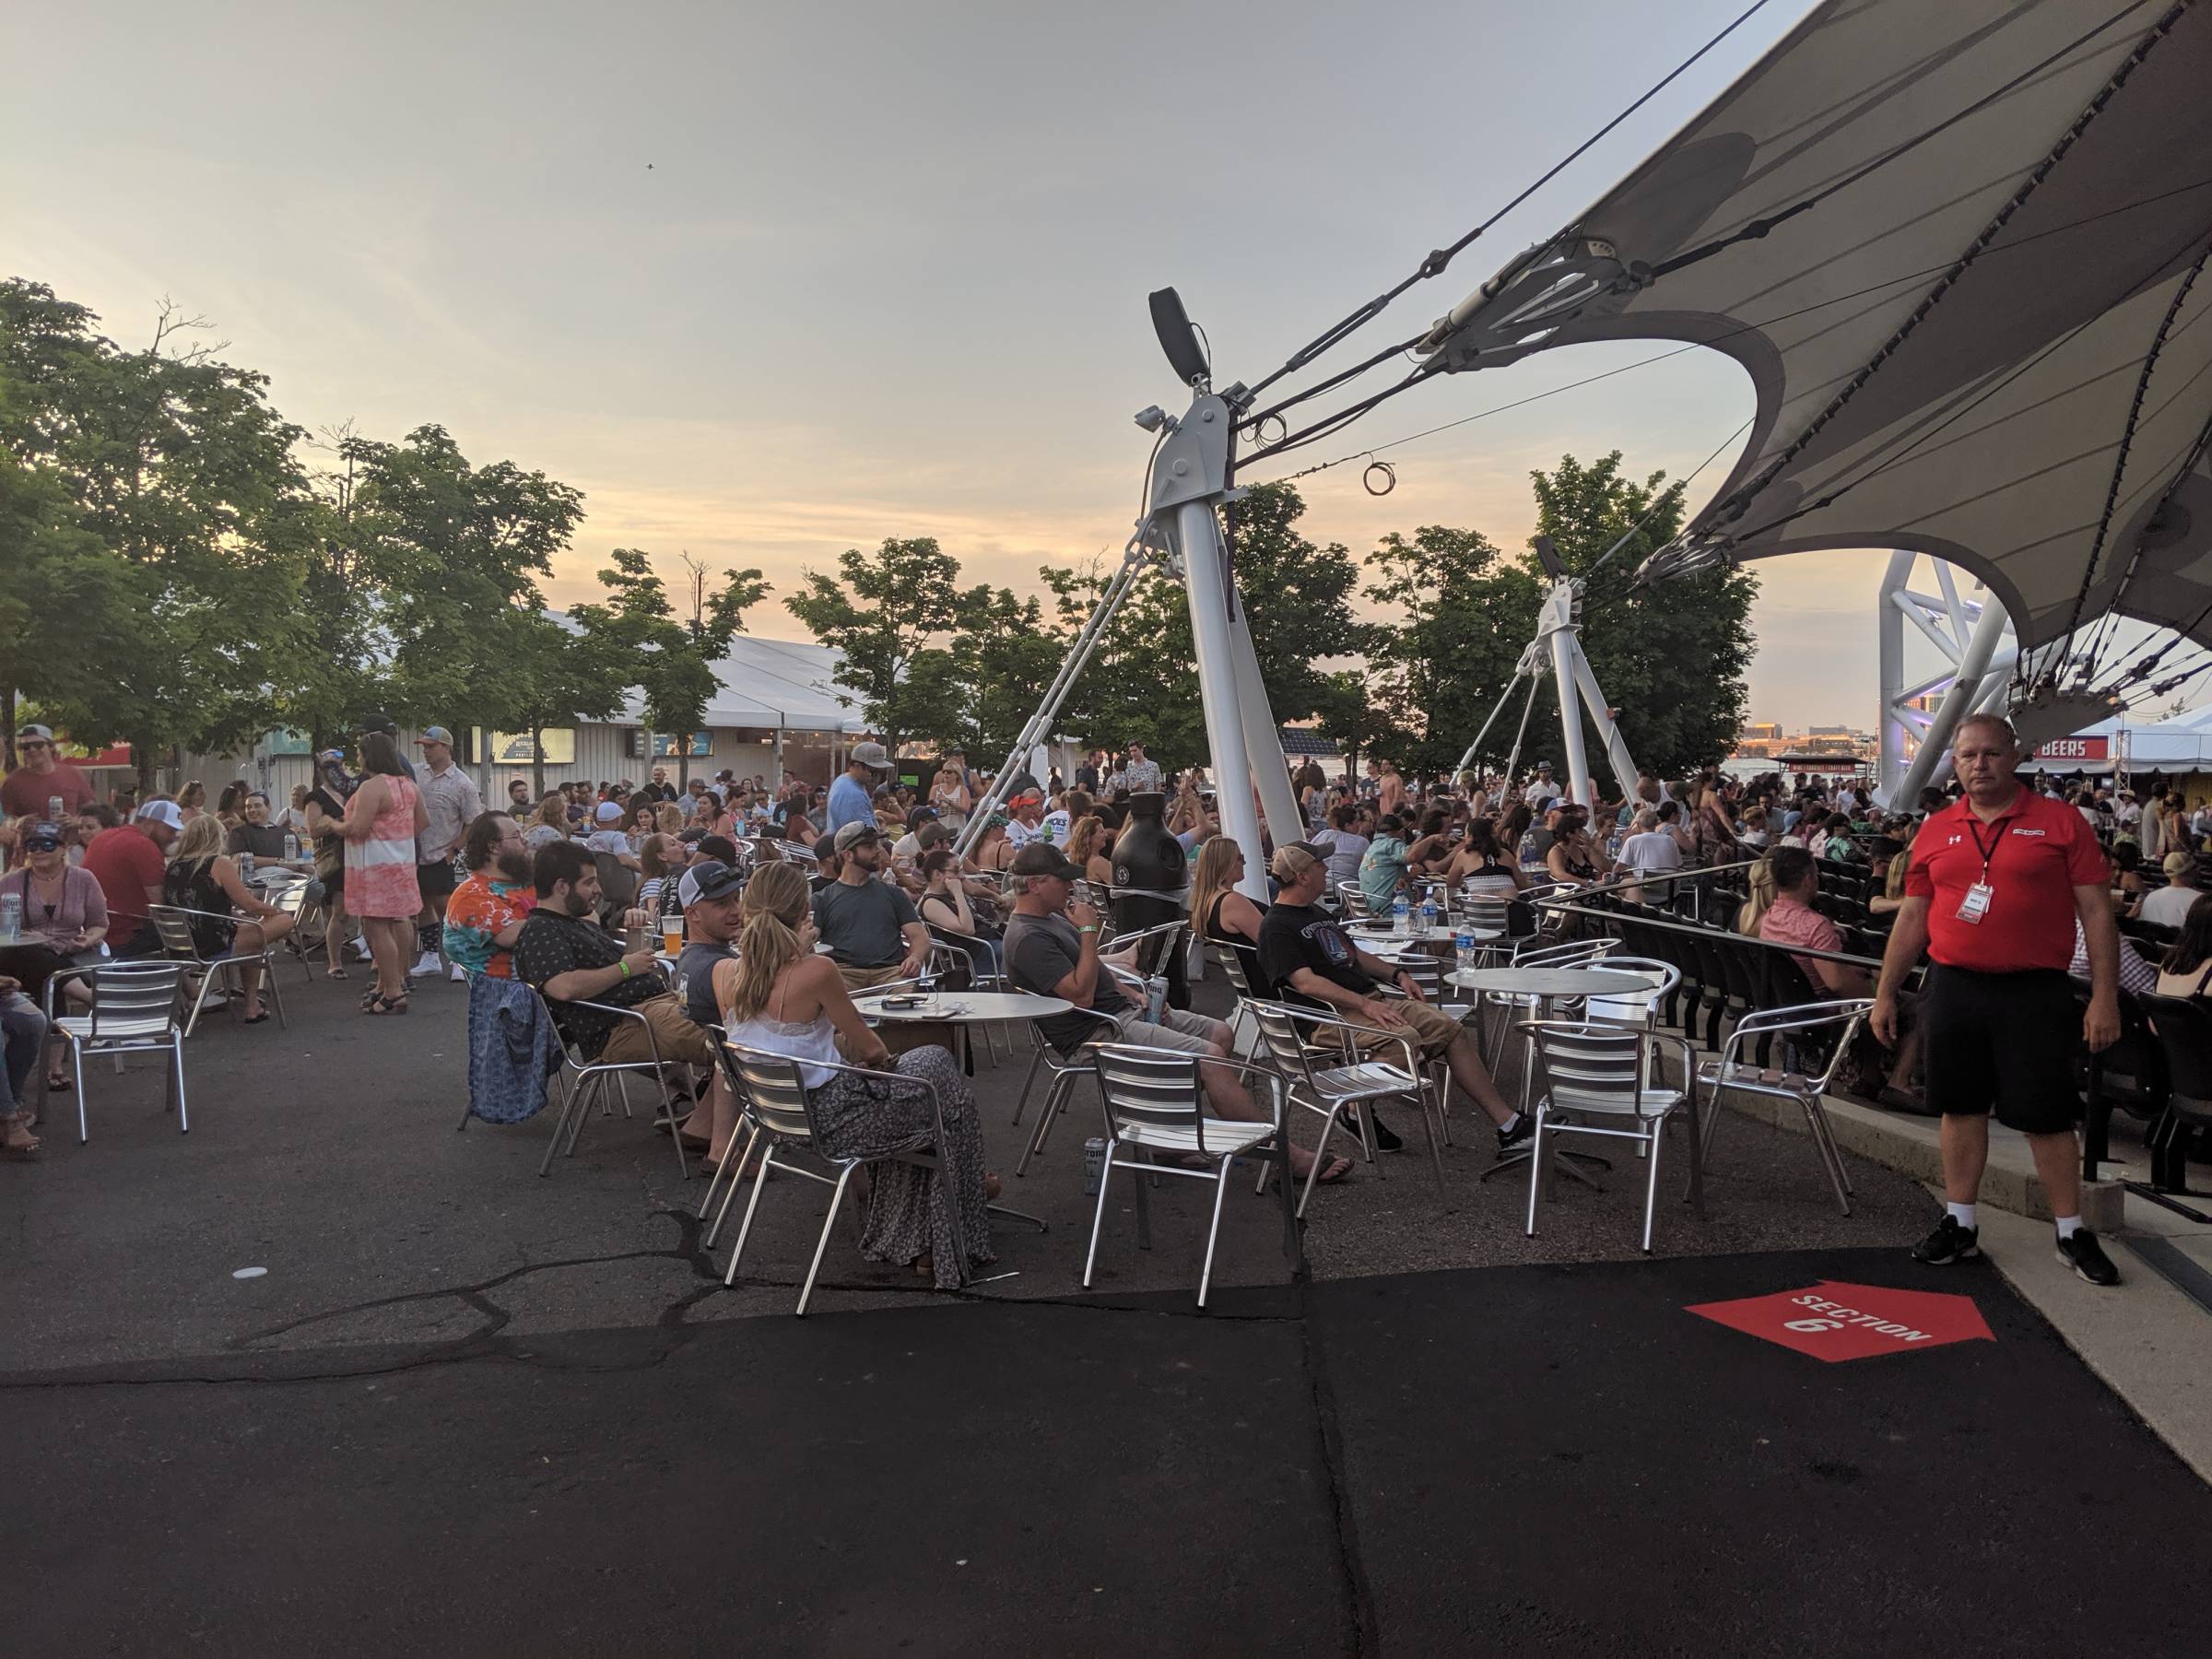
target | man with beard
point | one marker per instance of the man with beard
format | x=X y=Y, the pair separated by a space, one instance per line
x=484 y=915
x=584 y=973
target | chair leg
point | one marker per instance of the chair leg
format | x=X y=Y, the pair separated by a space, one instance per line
x=268 y=974
x=1320 y=1157
x=745 y=1227
x=837 y=1199
x=1055 y=1098
x=566 y=1087
x=1141 y=1167
x=176 y=1064
x=1536 y=1170
x=729 y=1192
x=1436 y=1151
x=1029 y=1081
x=1831 y=1160
x=76 y=1064
x=1213 y=1232
x=1098 y=1216
x=1651 y=1183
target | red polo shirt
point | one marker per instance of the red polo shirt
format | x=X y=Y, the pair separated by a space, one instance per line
x=2039 y=852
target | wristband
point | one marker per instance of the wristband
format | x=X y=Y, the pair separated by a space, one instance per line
x=624 y=965
x=1084 y=930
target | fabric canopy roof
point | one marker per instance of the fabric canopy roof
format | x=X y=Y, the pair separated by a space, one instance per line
x=1955 y=247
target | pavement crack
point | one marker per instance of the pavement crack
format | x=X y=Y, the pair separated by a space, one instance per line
x=1361 y=1636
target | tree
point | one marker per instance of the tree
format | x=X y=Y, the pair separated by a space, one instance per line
x=1671 y=656
x=1297 y=599
x=555 y=676
x=884 y=613
x=174 y=462
x=717 y=617
x=1466 y=612
x=1002 y=658
x=454 y=549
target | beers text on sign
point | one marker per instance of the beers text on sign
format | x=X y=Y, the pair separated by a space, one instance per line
x=1832 y=1321
x=2076 y=748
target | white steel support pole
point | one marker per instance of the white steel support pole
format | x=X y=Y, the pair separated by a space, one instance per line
x=1890 y=641
x=1965 y=692
x=1505 y=696
x=1601 y=716
x=1263 y=738
x=1190 y=482
x=1204 y=577
x=1557 y=630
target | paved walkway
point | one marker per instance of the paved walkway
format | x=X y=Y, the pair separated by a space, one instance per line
x=468 y=1410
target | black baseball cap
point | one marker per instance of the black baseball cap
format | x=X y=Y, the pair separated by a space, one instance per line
x=1042 y=858
x=710 y=879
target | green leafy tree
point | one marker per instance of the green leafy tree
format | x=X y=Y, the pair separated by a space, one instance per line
x=1465 y=612
x=1671 y=656
x=1003 y=657
x=889 y=614
x=556 y=675
x=176 y=463
x=452 y=550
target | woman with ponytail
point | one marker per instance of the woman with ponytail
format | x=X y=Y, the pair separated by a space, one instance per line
x=779 y=995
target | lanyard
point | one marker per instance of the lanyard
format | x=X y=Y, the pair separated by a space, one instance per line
x=1973 y=827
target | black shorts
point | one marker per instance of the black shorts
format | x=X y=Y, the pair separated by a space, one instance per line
x=2004 y=1040
x=435 y=881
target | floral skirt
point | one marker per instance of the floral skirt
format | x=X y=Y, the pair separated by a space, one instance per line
x=912 y=1210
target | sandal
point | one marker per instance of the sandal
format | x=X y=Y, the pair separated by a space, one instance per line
x=58 y=1082
x=381 y=1003
x=336 y=973
x=255 y=1018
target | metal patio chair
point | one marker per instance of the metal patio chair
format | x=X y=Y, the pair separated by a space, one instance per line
x=1303 y=1042
x=774 y=1100
x=1835 y=1023
x=1154 y=1103
x=1605 y=1071
x=582 y=1078
x=174 y=924
x=133 y=1011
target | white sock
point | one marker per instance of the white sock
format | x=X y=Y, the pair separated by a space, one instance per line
x=1510 y=1124
x=1961 y=1213
x=2068 y=1226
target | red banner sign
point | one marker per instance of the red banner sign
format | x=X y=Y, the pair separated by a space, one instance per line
x=2076 y=748
x=1832 y=1321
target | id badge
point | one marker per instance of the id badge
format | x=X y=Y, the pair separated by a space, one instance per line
x=1975 y=905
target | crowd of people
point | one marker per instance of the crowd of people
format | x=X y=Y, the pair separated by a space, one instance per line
x=777 y=903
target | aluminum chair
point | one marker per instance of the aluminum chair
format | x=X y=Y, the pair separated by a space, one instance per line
x=1065 y=1069
x=292 y=898
x=133 y=1011
x=1534 y=953
x=1636 y=1007
x=582 y=1078
x=1155 y=1103
x=173 y=924
x=1354 y=898
x=1326 y=1090
x=1838 y=1023
x=1606 y=1071
x=778 y=1112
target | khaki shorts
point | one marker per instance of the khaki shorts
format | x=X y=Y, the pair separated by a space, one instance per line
x=1431 y=1030
x=678 y=1036
x=1184 y=1032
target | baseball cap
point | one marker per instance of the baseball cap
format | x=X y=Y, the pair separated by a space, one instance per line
x=34 y=732
x=920 y=815
x=380 y=723
x=2175 y=861
x=710 y=879
x=162 y=812
x=436 y=733
x=869 y=754
x=853 y=834
x=1293 y=860
x=332 y=757
x=41 y=837
x=609 y=812
x=1042 y=858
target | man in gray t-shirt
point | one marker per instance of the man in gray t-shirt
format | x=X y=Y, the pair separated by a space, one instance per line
x=870 y=926
x=712 y=896
x=1041 y=951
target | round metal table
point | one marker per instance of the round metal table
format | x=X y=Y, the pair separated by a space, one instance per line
x=1547 y=983
x=963 y=1008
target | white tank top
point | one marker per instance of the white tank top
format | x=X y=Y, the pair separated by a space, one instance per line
x=814 y=1039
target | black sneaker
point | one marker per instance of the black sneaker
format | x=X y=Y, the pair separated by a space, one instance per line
x=2086 y=1257
x=1520 y=1133
x=1949 y=1242
x=1384 y=1140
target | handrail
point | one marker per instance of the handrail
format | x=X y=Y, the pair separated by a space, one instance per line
x=1683 y=927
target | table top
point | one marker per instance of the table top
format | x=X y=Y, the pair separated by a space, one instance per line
x=963 y=1007
x=1551 y=981
x=1367 y=938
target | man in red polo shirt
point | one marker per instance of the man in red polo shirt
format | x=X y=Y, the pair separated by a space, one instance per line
x=1996 y=883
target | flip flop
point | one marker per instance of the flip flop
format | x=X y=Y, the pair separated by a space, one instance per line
x=1338 y=1167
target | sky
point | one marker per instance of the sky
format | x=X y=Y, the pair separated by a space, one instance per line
x=768 y=282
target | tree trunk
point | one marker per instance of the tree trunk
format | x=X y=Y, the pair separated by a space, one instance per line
x=7 y=728
x=537 y=757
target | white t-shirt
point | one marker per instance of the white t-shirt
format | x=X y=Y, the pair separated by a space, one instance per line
x=606 y=841
x=1019 y=835
x=1540 y=794
x=1651 y=850
x=1055 y=827
x=2170 y=906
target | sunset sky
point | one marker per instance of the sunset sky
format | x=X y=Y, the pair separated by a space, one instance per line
x=768 y=282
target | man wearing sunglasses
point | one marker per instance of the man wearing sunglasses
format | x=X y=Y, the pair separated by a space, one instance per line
x=29 y=790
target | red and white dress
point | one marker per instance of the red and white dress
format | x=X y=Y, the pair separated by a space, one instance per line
x=379 y=872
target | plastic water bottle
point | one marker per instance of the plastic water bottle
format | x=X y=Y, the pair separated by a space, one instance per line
x=1528 y=847
x=1430 y=921
x=245 y=868
x=1401 y=915
x=291 y=848
x=11 y=916
x=1613 y=846
x=1463 y=945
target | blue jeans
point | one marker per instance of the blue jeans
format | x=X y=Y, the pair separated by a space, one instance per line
x=23 y=1030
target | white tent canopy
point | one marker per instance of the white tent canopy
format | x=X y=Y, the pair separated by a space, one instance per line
x=1955 y=245
x=772 y=683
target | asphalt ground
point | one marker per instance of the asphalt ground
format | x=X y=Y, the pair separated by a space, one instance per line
x=466 y=1410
